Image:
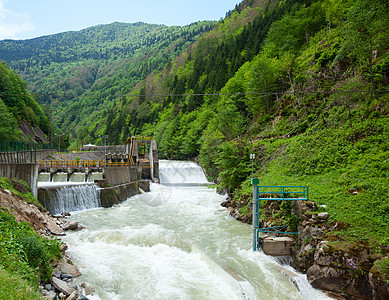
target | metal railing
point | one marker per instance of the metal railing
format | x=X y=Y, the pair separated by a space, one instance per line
x=287 y=193
x=21 y=152
x=80 y=164
x=266 y=192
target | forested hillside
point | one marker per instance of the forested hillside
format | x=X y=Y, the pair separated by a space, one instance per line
x=81 y=75
x=19 y=109
x=303 y=85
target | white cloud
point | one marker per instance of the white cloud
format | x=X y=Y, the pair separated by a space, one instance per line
x=13 y=23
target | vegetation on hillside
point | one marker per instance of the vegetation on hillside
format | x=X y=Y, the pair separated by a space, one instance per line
x=308 y=95
x=17 y=104
x=82 y=75
x=302 y=84
x=25 y=256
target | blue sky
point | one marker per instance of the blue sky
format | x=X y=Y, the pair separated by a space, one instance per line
x=24 y=19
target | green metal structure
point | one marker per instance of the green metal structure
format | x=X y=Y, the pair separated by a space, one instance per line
x=275 y=193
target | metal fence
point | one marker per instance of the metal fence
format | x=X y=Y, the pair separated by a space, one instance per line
x=21 y=152
x=79 y=164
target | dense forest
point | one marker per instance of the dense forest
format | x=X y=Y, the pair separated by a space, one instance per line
x=303 y=84
x=16 y=106
x=80 y=75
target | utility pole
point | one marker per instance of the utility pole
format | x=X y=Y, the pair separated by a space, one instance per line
x=255 y=182
x=59 y=141
x=154 y=130
x=105 y=148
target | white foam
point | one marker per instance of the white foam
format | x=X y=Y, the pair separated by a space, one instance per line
x=144 y=249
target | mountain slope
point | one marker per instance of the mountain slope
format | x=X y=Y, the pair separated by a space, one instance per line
x=21 y=117
x=82 y=74
x=311 y=101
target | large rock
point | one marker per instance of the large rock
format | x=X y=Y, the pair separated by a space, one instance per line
x=51 y=295
x=62 y=286
x=323 y=216
x=299 y=208
x=328 y=278
x=322 y=256
x=71 y=226
x=54 y=228
x=68 y=269
x=380 y=288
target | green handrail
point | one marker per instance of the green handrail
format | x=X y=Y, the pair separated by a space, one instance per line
x=286 y=193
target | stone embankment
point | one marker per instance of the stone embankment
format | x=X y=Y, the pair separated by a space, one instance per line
x=64 y=283
x=344 y=269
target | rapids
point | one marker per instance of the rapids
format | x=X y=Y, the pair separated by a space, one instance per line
x=176 y=242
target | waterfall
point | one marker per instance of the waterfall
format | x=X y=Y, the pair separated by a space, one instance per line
x=95 y=176
x=60 y=177
x=181 y=172
x=44 y=177
x=69 y=198
x=77 y=177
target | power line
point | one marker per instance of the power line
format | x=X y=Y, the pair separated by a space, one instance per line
x=214 y=94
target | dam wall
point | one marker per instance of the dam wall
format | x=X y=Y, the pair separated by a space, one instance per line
x=27 y=172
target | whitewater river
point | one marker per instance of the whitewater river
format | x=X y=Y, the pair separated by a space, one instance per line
x=176 y=242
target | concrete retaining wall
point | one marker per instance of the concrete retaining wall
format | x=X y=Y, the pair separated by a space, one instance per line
x=278 y=246
x=121 y=175
x=27 y=172
x=114 y=195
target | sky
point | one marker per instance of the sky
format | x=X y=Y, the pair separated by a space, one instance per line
x=25 y=19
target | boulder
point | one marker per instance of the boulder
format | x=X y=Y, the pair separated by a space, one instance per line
x=71 y=226
x=62 y=286
x=380 y=288
x=327 y=278
x=87 y=288
x=226 y=203
x=54 y=228
x=68 y=269
x=51 y=295
x=322 y=257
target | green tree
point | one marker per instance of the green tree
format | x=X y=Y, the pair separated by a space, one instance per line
x=367 y=33
x=8 y=124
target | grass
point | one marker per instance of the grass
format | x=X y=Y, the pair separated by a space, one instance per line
x=15 y=288
x=346 y=169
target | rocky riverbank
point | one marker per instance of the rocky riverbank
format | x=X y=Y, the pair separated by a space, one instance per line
x=348 y=270
x=64 y=283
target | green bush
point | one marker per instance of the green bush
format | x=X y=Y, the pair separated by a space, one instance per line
x=24 y=252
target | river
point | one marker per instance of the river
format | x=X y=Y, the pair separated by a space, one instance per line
x=176 y=242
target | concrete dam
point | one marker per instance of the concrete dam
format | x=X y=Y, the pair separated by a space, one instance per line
x=99 y=176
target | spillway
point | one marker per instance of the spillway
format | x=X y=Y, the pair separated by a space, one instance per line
x=64 y=198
